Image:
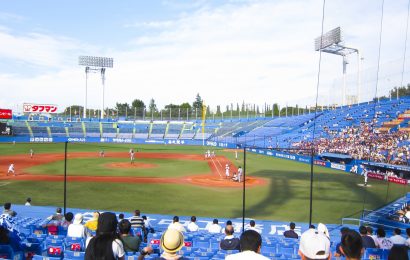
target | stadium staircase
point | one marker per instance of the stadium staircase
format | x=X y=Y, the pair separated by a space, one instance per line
x=29 y=129
x=84 y=129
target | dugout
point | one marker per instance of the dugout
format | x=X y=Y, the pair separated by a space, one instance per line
x=401 y=171
x=336 y=158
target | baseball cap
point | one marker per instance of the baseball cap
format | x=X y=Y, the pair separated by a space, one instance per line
x=78 y=218
x=314 y=245
x=172 y=241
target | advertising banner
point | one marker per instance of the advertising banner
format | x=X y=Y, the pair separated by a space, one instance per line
x=6 y=114
x=375 y=176
x=397 y=180
x=39 y=108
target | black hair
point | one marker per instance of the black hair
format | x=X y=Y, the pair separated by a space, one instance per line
x=250 y=240
x=363 y=230
x=398 y=252
x=215 y=221
x=193 y=219
x=228 y=222
x=175 y=219
x=28 y=199
x=69 y=216
x=58 y=210
x=124 y=226
x=229 y=230
x=137 y=212
x=408 y=231
x=144 y=217
x=380 y=232
x=397 y=231
x=4 y=235
x=292 y=225
x=100 y=246
x=7 y=205
x=121 y=216
x=252 y=223
x=344 y=230
x=352 y=244
x=369 y=230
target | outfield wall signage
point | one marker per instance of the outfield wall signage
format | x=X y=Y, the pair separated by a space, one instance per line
x=375 y=176
x=319 y=162
x=39 y=108
x=6 y=114
x=397 y=180
x=338 y=166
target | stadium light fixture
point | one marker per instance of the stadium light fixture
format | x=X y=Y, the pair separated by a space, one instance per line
x=95 y=64
x=332 y=42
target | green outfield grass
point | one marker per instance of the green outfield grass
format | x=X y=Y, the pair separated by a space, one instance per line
x=285 y=197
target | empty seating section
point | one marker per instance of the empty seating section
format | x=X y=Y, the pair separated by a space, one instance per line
x=93 y=129
x=158 y=129
x=109 y=129
x=174 y=130
x=142 y=129
x=76 y=129
x=126 y=130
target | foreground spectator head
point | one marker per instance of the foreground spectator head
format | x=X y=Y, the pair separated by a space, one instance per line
x=59 y=210
x=397 y=231
x=172 y=241
x=252 y=223
x=292 y=225
x=323 y=229
x=314 y=245
x=137 y=212
x=78 y=219
x=228 y=222
x=251 y=241
x=369 y=230
x=408 y=232
x=107 y=223
x=69 y=216
x=215 y=221
x=121 y=216
x=7 y=205
x=352 y=245
x=229 y=230
x=175 y=219
x=193 y=219
x=124 y=226
x=398 y=252
x=380 y=232
x=363 y=230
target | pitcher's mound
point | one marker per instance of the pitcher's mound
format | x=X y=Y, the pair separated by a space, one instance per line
x=123 y=165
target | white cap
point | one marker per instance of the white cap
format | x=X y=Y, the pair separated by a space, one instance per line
x=314 y=245
x=323 y=229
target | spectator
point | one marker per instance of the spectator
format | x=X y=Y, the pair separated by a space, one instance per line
x=58 y=216
x=92 y=224
x=214 y=227
x=171 y=243
x=192 y=226
x=398 y=253
x=7 y=210
x=68 y=220
x=148 y=227
x=250 y=247
x=408 y=237
x=137 y=221
x=106 y=244
x=130 y=243
x=381 y=240
x=291 y=232
x=229 y=242
x=252 y=226
x=7 y=238
x=314 y=245
x=121 y=216
x=176 y=225
x=368 y=242
x=352 y=245
x=323 y=229
x=397 y=239
x=343 y=231
x=77 y=229
x=370 y=234
x=28 y=202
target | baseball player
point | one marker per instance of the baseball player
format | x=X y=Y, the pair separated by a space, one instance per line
x=240 y=172
x=102 y=153
x=236 y=155
x=227 y=171
x=209 y=154
x=213 y=154
x=132 y=156
x=365 y=177
x=31 y=153
x=11 y=170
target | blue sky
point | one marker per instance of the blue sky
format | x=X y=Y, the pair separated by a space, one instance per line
x=255 y=51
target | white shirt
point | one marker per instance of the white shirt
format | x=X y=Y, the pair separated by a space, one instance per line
x=214 y=228
x=407 y=242
x=192 y=226
x=246 y=255
x=27 y=204
x=408 y=214
x=177 y=226
x=76 y=230
x=253 y=228
x=11 y=167
x=384 y=243
x=398 y=240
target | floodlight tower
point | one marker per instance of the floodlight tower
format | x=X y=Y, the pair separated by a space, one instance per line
x=332 y=42
x=95 y=64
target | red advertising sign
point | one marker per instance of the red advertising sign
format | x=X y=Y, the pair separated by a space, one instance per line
x=6 y=114
x=319 y=162
x=375 y=176
x=39 y=108
x=397 y=180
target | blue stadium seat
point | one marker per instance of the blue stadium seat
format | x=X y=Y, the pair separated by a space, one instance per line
x=6 y=252
x=74 y=255
x=375 y=253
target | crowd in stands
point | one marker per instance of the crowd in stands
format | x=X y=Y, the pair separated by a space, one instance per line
x=362 y=142
x=107 y=236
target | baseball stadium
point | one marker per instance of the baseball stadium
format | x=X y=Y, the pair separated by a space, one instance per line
x=305 y=181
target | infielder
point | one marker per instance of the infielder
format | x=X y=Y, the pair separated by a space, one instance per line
x=227 y=171
x=236 y=155
x=365 y=177
x=11 y=170
x=132 y=156
x=240 y=172
x=31 y=153
x=102 y=153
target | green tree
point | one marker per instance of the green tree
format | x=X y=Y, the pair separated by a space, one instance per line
x=198 y=102
x=218 y=110
x=138 y=104
x=123 y=108
x=275 y=109
x=185 y=106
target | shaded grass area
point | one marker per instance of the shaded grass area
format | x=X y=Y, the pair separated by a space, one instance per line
x=166 y=168
x=286 y=196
